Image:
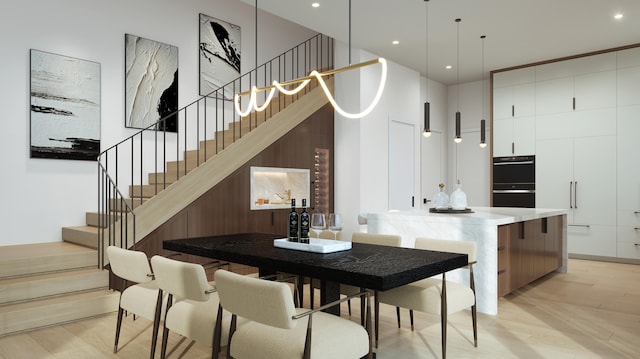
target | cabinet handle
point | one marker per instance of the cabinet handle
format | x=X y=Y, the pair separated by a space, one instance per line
x=571 y=194
x=637 y=244
x=579 y=225
x=504 y=270
x=513 y=147
x=575 y=196
x=513 y=110
x=574 y=103
x=636 y=228
x=636 y=212
x=501 y=248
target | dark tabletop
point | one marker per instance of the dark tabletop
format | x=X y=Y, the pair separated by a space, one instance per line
x=369 y=266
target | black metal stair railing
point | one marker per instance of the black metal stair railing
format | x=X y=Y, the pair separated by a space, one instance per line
x=147 y=162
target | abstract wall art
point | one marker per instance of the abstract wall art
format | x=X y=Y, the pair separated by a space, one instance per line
x=151 y=84
x=219 y=55
x=65 y=107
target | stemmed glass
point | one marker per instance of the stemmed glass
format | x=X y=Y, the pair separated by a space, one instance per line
x=318 y=223
x=335 y=224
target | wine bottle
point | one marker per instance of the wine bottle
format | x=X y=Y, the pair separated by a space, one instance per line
x=293 y=222
x=304 y=223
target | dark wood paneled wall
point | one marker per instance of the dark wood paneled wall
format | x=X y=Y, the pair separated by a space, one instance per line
x=226 y=207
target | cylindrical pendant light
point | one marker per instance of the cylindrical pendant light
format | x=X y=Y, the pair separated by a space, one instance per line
x=427 y=106
x=458 y=137
x=483 y=142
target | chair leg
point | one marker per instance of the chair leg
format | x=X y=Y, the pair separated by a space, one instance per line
x=156 y=324
x=232 y=330
x=118 y=325
x=311 y=295
x=377 y=315
x=398 y=316
x=443 y=317
x=411 y=318
x=362 y=304
x=165 y=330
x=301 y=289
x=474 y=318
x=217 y=335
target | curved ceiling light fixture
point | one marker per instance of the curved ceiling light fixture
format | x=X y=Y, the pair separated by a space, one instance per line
x=304 y=81
x=253 y=105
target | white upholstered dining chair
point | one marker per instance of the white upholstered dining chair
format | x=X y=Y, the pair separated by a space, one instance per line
x=192 y=303
x=277 y=329
x=140 y=298
x=435 y=295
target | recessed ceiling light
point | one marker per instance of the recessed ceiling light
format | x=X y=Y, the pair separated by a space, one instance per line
x=395 y=42
x=448 y=67
x=618 y=16
x=315 y=4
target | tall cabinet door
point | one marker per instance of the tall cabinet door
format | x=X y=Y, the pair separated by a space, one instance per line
x=554 y=174
x=595 y=195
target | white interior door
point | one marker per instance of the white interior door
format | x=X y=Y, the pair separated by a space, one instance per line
x=432 y=167
x=401 y=165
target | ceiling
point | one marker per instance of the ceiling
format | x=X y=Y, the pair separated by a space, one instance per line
x=517 y=31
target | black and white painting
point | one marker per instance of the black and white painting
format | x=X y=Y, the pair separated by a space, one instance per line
x=151 y=84
x=65 y=107
x=219 y=54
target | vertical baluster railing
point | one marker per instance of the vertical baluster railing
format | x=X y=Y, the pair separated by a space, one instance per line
x=117 y=211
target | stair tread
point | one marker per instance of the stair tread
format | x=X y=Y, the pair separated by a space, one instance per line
x=62 y=299
x=88 y=229
x=36 y=250
x=46 y=276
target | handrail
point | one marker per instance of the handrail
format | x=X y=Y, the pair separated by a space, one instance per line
x=148 y=161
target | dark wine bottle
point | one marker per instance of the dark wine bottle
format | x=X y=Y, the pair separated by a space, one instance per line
x=304 y=223
x=293 y=222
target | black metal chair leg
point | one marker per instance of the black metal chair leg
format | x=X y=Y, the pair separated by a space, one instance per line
x=118 y=325
x=156 y=324
x=411 y=318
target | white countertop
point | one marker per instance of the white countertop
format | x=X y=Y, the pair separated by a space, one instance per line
x=481 y=215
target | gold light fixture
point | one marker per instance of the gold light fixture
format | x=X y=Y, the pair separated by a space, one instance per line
x=427 y=106
x=483 y=142
x=458 y=137
x=303 y=81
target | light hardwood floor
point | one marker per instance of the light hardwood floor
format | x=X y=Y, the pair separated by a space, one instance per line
x=593 y=311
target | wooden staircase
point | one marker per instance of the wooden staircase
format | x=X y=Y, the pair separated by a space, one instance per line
x=51 y=283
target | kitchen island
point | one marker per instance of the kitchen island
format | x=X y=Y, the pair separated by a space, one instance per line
x=515 y=245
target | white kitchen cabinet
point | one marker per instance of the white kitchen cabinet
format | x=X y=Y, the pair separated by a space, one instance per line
x=628 y=170
x=576 y=93
x=514 y=120
x=579 y=175
x=587 y=141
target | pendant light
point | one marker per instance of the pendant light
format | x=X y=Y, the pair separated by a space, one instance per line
x=427 y=106
x=458 y=138
x=483 y=142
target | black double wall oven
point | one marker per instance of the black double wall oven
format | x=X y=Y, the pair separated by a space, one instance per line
x=514 y=181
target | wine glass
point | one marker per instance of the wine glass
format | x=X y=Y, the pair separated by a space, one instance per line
x=335 y=224
x=318 y=223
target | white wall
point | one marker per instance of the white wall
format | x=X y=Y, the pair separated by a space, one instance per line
x=362 y=145
x=40 y=196
x=468 y=162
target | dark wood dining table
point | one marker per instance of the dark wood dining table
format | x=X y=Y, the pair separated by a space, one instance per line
x=368 y=266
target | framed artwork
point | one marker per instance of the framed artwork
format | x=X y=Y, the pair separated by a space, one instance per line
x=64 y=107
x=219 y=54
x=151 y=83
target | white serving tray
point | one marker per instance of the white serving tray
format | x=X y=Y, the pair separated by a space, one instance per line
x=316 y=245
